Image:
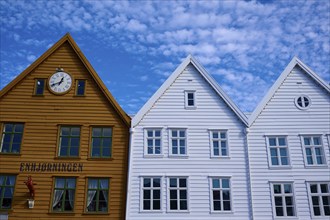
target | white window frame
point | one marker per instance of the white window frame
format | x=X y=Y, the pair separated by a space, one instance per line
x=303 y=107
x=186 y=92
x=220 y=178
x=178 y=138
x=178 y=188
x=278 y=147
x=219 y=139
x=145 y=140
x=312 y=146
x=319 y=194
x=283 y=195
x=151 y=194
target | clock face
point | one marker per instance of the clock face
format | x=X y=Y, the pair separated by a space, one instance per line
x=60 y=82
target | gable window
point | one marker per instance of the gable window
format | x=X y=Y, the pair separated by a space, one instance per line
x=319 y=194
x=97 y=195
x=153 y=139
x=7 y=185
x=39 y=87
x=11 y=140
x=190 y=99
x=80 y=87
x=278 y=151
x=178 y=142
x=101 y=142
x=64 y=194
x=219 y=144
x=302 y=102
x=283 y=199
x=313 y=150
x=69 y=141
x=220 y=194
x=151 y=194
x=178 y=193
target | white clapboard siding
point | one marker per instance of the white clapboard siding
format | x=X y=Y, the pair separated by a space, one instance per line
x=279 y=115
x=212 y=112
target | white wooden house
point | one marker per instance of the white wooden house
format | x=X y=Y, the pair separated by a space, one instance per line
x=288 y=142
x=188 y=152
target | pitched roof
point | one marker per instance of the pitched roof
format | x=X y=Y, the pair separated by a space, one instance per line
x=295 y=61
x=189 y=60
x=67 y=38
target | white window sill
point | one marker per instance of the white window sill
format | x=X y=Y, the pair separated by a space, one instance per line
x=178 y=156
x=190 y=107
x=151 y=211
x=221 y=212
x=220 y=157
x=323 y=166
x=178 y=211
x=153 y=155
x=285 y=217
x=280 y=167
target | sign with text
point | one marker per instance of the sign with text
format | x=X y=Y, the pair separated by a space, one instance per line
x=51 y=167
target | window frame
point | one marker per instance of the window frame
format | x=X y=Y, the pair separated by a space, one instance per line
x=59 y=141
x=168 y=197
x=7 y=186
x=160 y=188
x=53 y=193
x=145 y=141
x=318 y=194
x=312 y=146
x=101 y=157
x=178 y=138
x=211 y=189
x=97 y=194
x=36 y=86
x=186 y=99
x=283 y=195
x=77 y=87
x=303 y=107
x=3 y=125
x=278 y=151
x=219 y=139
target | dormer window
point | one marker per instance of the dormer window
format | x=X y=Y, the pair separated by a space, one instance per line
x=190 y=99
x=302 y=102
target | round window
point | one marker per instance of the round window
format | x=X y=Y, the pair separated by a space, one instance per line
x=303 y=102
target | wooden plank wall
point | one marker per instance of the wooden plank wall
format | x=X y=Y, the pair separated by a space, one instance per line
x=42 y=117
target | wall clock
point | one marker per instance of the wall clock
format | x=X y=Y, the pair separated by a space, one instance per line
x=60 y=82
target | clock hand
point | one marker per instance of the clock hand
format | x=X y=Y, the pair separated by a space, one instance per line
x=60 y=82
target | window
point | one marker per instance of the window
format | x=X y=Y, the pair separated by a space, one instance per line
x=39 y=87
x=64 y=193
x=190 y=99
x=283 y=199
x=219 y=144
x=80 y=87
x=151 y=192
x=7 y=185
x=97 y=194
x=12 y=138
x=178 y=194
x=69 y=141
x=313 y=149
x=320 y=198
x=101 y=142
x=153 y=138
x=220 y=195
x=178 y=142
x=302 y=102
x=278 y=151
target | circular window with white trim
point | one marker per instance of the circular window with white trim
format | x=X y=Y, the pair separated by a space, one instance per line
x=303 y=102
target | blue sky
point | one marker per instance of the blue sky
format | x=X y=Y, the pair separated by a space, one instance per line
x=135 y=45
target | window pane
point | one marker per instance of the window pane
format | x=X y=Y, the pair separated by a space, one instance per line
x=174 y=134
x=283 y=152
x=225 y=183
x=307 y=141
x=106 y=152
x=275 y=161
x=156 y=182
x=225 y=195
x=104 y=183
x=277 y=189
x=315 y=200
x=182 y=133
x=182 y=150
x=287 y=188
x=278 y=201
x=272 y=141
x=97 y=142
x=174 y=143
x=191 y=102
x=156 y=204
x=183 y=194
x=157 y=142
x=284 y=161
x=19 y=128
x=173 y=182
x=146 y=194
x=190 y=95
x=216 y=206
x=156 y=194
x=288 y=201
x=313 y=188
x=157 y=133
x=146 y=204
x=216 y=183
x=173 y=194
x=290 y=211
x=324 y=188
x=281 y=142
x=183 y=205
x=316 y=141
x=182 y=143
x=107 y=142
x=223 y=135
x=92 y=183
x=216 y=195
x=317 y=211
x=149 y=133
x=226 y=205
x=96 y=152
x=215 y=134
x=65 y=131
x=173 y=205
x=97 y=132
x=146 y=182
x=279 y=211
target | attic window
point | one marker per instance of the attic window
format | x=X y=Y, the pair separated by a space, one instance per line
x=190 y=100
x=303 y=102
